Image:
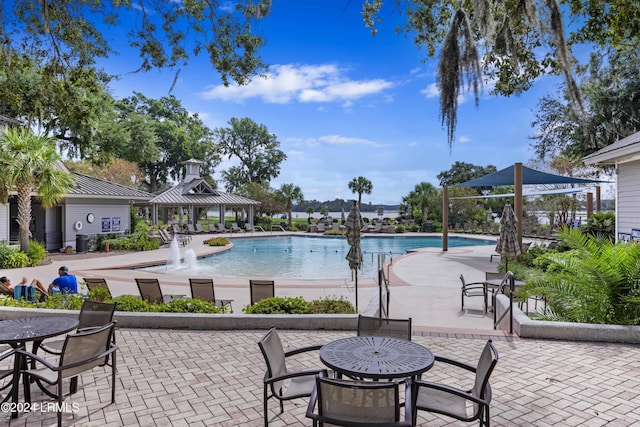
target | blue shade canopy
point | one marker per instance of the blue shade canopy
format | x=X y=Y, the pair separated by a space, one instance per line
x=529 y=177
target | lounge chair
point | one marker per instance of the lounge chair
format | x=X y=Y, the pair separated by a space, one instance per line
x=496 y=228
x=377 y=228
x=191 y=229
x=469 y=404
x=279 y=382
x=374 y=326
x=320 y=227
x=261 y=289
x=220 y=228
x=97 y=283
x=236 y=229
x=203 y=289
x=150 y=291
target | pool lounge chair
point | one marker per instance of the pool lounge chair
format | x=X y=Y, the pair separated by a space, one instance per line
x=261 y=289
x=94 y=283
x=150 y=291
x=320 y=227
x=203 y=289
x=236 y=229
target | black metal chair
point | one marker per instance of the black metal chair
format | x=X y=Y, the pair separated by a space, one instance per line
x=394 y=328
x=150 y=291
x=204 y=290
x=261 y=289
x=94 y=283
x=473 y=289
x=81 y=352
x=348 y=403
x=279 y=382
x=6 y=352
x=465 y=405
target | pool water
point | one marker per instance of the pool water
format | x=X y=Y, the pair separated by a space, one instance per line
x=307 y=257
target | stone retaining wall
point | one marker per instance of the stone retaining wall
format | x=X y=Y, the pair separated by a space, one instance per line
x=526 y=327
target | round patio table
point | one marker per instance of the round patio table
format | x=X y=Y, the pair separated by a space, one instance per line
x=376 y=357
x=17 y=332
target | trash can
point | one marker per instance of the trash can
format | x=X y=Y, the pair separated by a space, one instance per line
x=82 y=243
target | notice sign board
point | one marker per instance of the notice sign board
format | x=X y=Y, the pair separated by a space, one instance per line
x=635 y=234
x=106 y=225
x=624 y=237
x=115 y=224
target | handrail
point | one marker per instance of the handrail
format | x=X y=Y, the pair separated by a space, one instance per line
x=512 y=286
x=383 y=285
x=277 y=226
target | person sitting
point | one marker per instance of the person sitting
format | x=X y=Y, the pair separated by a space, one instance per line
x=6 y=288
x=65 y=283
x=22 y=289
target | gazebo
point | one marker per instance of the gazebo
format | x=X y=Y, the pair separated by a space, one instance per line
x=516 y=175
x=194 y=193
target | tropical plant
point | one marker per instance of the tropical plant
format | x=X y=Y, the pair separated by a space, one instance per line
x=331 y=305
x=596 y=281
x=216 y=241
x=36 y=253
x=288 y=194
x=360 y=185
x=601 y=224
x=28 y=163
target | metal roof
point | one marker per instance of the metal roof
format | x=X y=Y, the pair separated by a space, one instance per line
x=175 y=197
x=529 y=177
x=623 y=148
x=94 y=187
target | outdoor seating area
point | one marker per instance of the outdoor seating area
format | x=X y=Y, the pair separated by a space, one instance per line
x=215 y=399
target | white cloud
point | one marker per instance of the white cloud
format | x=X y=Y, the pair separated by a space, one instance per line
x=306 y=83
x=431 y=91
x=464 y=139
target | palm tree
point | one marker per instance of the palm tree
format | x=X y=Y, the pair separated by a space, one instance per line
x=28 y=164
x=289 y=193
x=360 y=185
x=310 y=211
x=424 y=195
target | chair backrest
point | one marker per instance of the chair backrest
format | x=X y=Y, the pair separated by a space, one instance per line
x=87 y=346
x=95 y=283
x=202 y=289
x=150 y=290
x=273 y=353
x=486 y=363
x=261 y=289
x=93 y=314
x=490 y=275
x=395 y=328
x=342 y=401
x=220 y=226
x=6 y=291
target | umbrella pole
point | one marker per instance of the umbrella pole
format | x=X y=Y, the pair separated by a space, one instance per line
x=357 y=291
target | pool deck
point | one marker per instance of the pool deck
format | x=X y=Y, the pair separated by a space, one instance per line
x=205 y=378
x=424 y=285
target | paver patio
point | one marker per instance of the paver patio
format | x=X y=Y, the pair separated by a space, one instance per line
x=212 y=378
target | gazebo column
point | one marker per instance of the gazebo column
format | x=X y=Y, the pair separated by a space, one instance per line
x=589 y=204
x=223 y=209
x=445 y=219
x=154 y=214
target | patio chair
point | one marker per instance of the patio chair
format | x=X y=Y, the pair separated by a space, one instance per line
x=150 y=291
x=96 y=283
x=191 y=229
x=358 y=403
x=203 y=289
x=199 y=229
x=220 y=228
x=464 y=405
x=473 y=289
x=261 y=289
x=81 y=352
x=279 y=382
x=5 y=291
x=92 y=314
x=236 y=229
x=496 y=228
x=7 y=370
x=374 y=326
x=320 y=227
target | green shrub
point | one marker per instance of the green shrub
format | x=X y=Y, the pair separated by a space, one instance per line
x=16 y=259
x=279 y=305
x=601 y=224
x=331 y=305
x=192 y=306
x=399 y=228
x=217 y=241
x=62 y=302
x=99 y=294
x=131 y=303
x=36 y=253
x=415 y=227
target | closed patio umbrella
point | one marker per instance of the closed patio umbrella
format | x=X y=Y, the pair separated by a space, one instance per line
x=508 y=246
x=354 y=257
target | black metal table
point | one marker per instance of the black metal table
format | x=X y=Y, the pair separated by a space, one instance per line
x=376 y=357
x=17 y=332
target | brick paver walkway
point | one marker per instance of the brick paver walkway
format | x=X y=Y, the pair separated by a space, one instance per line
x=214 y=378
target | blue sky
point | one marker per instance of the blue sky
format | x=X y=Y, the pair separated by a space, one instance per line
x=345 y=104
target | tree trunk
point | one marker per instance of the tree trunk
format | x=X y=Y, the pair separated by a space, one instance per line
x=24 y=217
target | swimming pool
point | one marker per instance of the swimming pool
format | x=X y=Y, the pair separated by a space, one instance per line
x=305 y=257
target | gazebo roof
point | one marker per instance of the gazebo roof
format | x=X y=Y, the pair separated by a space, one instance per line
x=198 y=192
x=87 y=186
